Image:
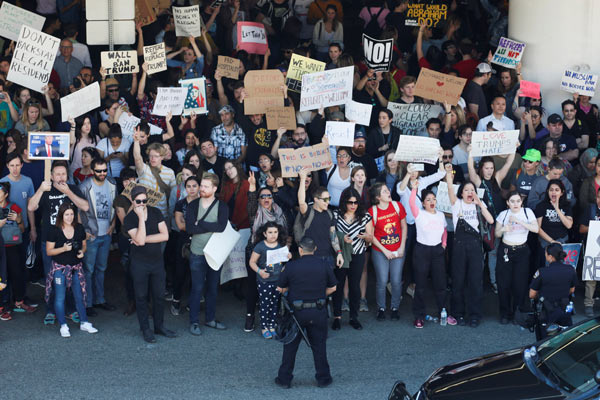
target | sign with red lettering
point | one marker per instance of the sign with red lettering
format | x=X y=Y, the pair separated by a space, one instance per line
x=313 y=157
x=494 y=143
x=508 y=53
x=573 y=250
x=439 y=87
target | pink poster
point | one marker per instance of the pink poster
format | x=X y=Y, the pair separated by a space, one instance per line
x=530 y=89
x=251 y=36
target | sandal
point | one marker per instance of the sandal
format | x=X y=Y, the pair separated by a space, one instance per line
x=49 y=319
x=267 y=334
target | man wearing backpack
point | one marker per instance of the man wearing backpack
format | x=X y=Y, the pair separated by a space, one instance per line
x=374 y=20
x=316 y=222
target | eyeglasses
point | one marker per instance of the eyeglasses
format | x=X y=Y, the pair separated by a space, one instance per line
x=112 y=90
x=325 y=199
x=144 y=201
x=343 y=156
x=265 y=196
x=101 y=171
x=354 y=203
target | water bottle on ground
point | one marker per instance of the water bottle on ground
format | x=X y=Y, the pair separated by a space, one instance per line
x=443 y=317
x=569 y=308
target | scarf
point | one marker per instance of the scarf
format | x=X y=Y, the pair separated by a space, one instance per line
x=263 y=216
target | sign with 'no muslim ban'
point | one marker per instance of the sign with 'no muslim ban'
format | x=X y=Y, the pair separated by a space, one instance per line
x=582 y=83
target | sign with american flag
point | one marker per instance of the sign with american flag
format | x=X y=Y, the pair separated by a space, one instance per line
x=195 y=101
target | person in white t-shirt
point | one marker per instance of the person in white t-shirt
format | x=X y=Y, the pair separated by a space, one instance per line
x=512 y=269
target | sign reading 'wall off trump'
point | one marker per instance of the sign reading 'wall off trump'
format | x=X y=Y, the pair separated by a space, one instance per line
x=494 y=143
x=313 y=157
x=579 y=82
x=431 y=13
x=509 y=53
x=326 y=88
x=439 y=87
x=378 y=53
x=300 y=65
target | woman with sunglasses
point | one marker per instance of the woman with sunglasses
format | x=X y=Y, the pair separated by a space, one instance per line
x=391 y=174
x=31 y=119
x=81 y=137
x=355 y=224
x=88 y=154
x=531 y=125
x=338 y=175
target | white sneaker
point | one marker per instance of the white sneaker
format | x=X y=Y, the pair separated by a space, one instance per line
x=87 y=327
x=64 y=331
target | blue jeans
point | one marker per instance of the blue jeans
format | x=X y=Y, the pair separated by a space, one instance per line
x=387 y=270
x=60 y=290
x=202 y=273
x=47 y=260
x=94 y=261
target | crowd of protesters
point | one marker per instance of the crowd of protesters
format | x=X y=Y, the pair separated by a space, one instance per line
x=367 y=212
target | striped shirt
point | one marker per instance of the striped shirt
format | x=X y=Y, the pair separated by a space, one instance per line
x=353 y=229
x=147 y=179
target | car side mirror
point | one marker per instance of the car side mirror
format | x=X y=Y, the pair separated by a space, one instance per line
x=399 y=392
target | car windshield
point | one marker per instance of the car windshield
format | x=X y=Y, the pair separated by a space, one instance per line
x=571 y=359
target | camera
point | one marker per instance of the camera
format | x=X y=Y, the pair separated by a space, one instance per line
x=4 y=213
x=75 y=245
x=76 y=82
x=2 y=97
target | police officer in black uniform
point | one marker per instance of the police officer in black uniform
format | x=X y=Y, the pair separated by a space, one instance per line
x=308 y=281
x=555 y=283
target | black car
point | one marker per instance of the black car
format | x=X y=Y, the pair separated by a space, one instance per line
x=565 y=366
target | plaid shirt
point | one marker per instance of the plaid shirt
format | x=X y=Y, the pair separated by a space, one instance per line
x=146 y=107
x=229 y=145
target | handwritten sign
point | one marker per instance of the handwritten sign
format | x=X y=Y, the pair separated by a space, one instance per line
x=281 y=117
x=187 y=21
x=251 y=36
x=169 y=99
x=417 y=149
x=508 y=53
x=573 y=251
x=229 y=67
x=358 y=112
x=312 y=157
x=378 y=53
x=263 y=89
x=119 y=62
x=33 y=58
x=431 y=13
x=277 y=256
x=80 y=102
x=439 y=87
x=579 y=82
x=13 y=17
x=591 y=261
x=154 y=196
x=339 y=133
x=529 y=89
x=144 y=12
x=195 y=99
x=326 y=88
x=443 y=200
x=130 y=122
x=156 y=58
x=234 y=266
x=300 y=65
x=411 y=118
x=494 y=143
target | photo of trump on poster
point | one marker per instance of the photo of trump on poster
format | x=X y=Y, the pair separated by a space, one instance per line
x=48 y=146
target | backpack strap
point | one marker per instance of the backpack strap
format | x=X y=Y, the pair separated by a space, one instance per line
x=374 y=210
x=395 y=204
x=330 y=174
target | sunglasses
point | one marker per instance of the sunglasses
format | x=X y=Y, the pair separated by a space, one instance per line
x=141 y=201
x=32 y=102
x=325 y=199
x=309 y=175
x=446 y=157
x=528 y=161
x=112 y=90
x=101 y=171
x=265 y=196
x=354 y=203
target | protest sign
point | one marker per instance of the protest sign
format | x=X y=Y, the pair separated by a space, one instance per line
x=48 y=145
x=128 y=124
x=234 y=266
x=339 y=133
x=508 y=53
x=154 y=196
x=359 y=112
x=144 y=12
x=573 y=250
x=411 y=118
x=217 y=3
x=277 y=256
x=417 y=149
x=378 y=53
x=591 y=260
x=327 y=88
x=169 y=99
x=156 y=58
x=80 y=102
x=219 y=246
x=443 y=200
x=439 y=87
x=281 y=117
x=195 y=99
x=119 y=62
x=229 y=67
x=13 y=17
x=300 y=65
x=33 y=58
x=187 y=21
x=494 y=143
x=431 y=13
x=312 y=157
x=579 y=82
x=160 y=4
x=263 y=89
x=251 y=36
x=529 y=89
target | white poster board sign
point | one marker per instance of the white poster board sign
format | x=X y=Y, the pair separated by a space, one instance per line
x=591 y=261
x=33 y=58
x=339 y=133
x=128 y=124
x=156 y=58
x=491 y=143
x=187 y=21
x=80 y=102
x=508 y=53
x=195 y=99
x=219 y=246
x=579 y=82
x=119 y=62
x=235 y=265
x=48 y=145
x=359 y=112
x=277 y=256
x=326 y=88
x=169 y=99
x=13 y=17
x=411 y=118
x=417 y=149
x=443 y=200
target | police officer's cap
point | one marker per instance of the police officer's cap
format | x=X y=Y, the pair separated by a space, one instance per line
x=307 y=244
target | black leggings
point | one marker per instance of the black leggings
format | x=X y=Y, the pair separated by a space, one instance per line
x=16 y=272
x=182 y=269
x=354 y=272
x=428 y=260
x=467 y=276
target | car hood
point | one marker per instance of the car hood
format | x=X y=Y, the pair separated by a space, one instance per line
x=502 y=375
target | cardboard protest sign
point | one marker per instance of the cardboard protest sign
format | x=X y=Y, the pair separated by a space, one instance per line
x=378 y=53
x=219 y=246
x=591 y=260
x=494 y=143
x=439 y=87
x=160 y=4
x=326 y=88
x=312 y=157
x=128 y=124
x=144 y=12
x=48 y=145
x=13 y=17
x=251 y=36
x=529 y=89
x=154 y=196
x=573 y=250
x=234 y=266
x=359 y=112
x=195 y=99
x=443 y=200
x=80 y=102
x=229 y=67
x=281 y=117
x=411 y=118
x=300 y=65
x=339 y=133
x=33 y=58
x=263 y=89
x=156 y=58
x=417 y=149
x=169 y=99
x=508 y=53
x=579 y=82
x=119 y=62
x=431 y=13
x=187 y=21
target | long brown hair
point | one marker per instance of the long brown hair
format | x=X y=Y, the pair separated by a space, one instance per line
x=66 y=205
x=240 y=174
